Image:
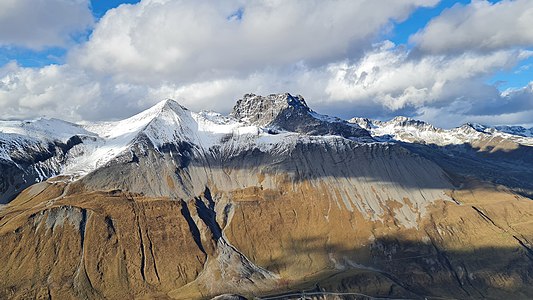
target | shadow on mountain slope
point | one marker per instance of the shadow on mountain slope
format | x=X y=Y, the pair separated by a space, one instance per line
x=509 y=167
x=143 y=248
x=409 y=165
x=393 y=163
x=122 y=245
x=391 y=267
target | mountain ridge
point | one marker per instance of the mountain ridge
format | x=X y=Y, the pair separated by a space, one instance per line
x=174 y=204
x=262 y=121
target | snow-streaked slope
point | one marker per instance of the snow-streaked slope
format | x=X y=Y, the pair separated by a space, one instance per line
x=43 y=129
x=18 y=137
x=516 y=130
x=165 y=123
x=32 y=151
x=408 y=130
x=169 y=123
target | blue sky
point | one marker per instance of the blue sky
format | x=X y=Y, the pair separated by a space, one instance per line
x=435 y=60
x=518 y=76
x=418 y=19
x=100 y=7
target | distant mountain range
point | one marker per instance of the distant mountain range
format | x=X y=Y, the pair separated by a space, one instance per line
x=273 y=198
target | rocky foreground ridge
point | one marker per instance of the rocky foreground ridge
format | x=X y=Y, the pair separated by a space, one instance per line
x=272 y=199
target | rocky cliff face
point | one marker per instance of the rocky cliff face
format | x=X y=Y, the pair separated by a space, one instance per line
x=291 y=113
x=189 y=206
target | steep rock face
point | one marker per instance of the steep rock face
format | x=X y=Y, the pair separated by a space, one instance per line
x=264 y=110
x=291 y=113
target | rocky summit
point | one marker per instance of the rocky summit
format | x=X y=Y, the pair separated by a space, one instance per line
x=291 y=113
x=271 y=201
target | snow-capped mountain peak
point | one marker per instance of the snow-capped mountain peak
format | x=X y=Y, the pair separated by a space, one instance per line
x=165 y=122
x=474 y=126
x=406 y=121
x=364 y=123
x=409 y=130
x=136 y=123
x=516 y=130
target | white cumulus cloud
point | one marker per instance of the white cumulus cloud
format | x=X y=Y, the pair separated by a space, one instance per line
x=479 y=25
x=36 y=24
x=390 y=76
x=185 y=41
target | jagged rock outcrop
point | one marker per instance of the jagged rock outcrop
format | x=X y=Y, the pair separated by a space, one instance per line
x=291 y=113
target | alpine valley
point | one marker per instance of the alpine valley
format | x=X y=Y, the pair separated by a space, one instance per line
x=269 y=201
